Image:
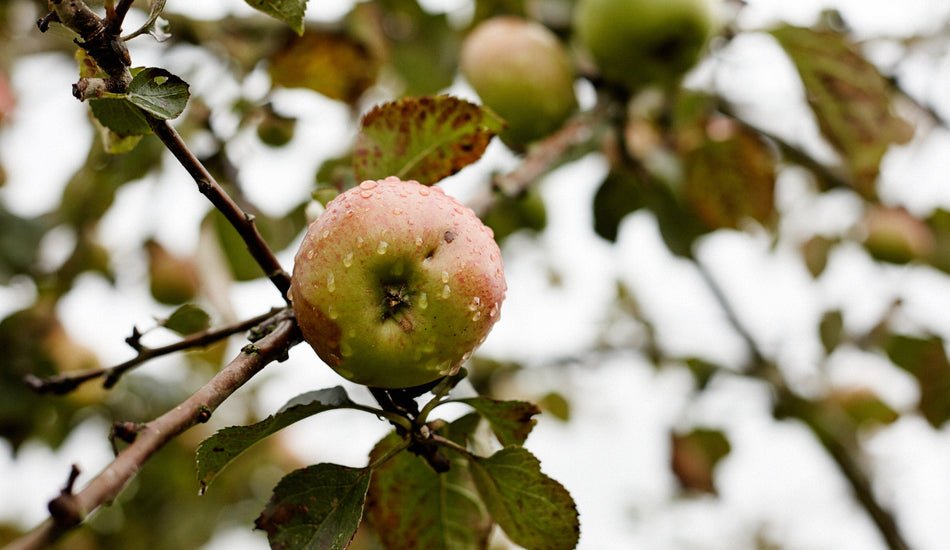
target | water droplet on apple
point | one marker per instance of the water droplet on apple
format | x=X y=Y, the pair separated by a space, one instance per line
x=476 y=316
x=381 y=247
x=476 y=301
x=467 y=356
x=396 y=211
x=359 y=242
x=346 y=350
x=445 y=276
x=446 y=291
x=348 y=259
x=419 y=242
x=332 y=313
x=310 y=254
x=423 y=300
x=331 y=282
x=424 y=191
x=368 y=184
x=326 y=233
x=366 y=194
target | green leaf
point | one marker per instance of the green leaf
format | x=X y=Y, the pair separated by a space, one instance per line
x=19 y=243
x=850 y=99
x=422 y=138
x=120 y=116
x=511 y=421
x=620 y=194
x=926 y=360
x=217 y=451
x=831 y=330
x=414 y=508
x=159 y=93
x=534 y=510
x=188 y=319
x=288 y=11
x=423 y=53
x=316 y=508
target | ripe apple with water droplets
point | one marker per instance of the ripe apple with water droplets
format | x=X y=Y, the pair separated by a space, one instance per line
x=396 y=283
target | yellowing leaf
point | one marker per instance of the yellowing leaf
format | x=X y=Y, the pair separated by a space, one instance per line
x=850 y=99
x=422 y=138
x=332 y=64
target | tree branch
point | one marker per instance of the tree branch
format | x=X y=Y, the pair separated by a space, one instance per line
x=836 y=444
x=72 y=508
x=66 y=382
x=242 y=222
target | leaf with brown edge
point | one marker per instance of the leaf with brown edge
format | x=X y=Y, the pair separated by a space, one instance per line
x=422 y=138
x=850 y=99
x=330 y=63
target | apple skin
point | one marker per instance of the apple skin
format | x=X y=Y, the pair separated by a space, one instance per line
x=521 y=71
x=638 y=42
x=396 y=283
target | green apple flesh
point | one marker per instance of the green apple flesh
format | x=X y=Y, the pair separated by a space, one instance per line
x=396 y=283
x=637 y=42
x=522 y=72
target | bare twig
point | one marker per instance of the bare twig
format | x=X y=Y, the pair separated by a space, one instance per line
x=836 y=444
x=242 y=221
x=68 y=381
x=106 y=486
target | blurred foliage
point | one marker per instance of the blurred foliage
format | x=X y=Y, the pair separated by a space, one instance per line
x=684 y=155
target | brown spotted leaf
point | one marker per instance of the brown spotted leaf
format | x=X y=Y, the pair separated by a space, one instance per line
x=317 y=507
x=422 y=138
x=730 y=176
x=850 y=99
x=332 y=64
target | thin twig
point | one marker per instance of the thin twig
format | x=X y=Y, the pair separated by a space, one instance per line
x=66 y=382
x=106 y=486
x=242 y=221
x=803 y=410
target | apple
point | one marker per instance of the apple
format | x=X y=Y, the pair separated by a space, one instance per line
x=396 y=283
x=521 y=71
x=638 y=42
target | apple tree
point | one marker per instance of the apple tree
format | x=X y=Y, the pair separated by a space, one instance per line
x=392 y=271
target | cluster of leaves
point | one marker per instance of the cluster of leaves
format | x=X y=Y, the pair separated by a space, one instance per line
x=425 y=486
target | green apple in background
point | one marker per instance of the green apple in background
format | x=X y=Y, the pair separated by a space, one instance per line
x=396 y=283
x=521 y=71
x=638 y=42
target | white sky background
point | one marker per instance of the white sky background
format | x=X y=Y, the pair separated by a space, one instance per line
x=613 y=455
